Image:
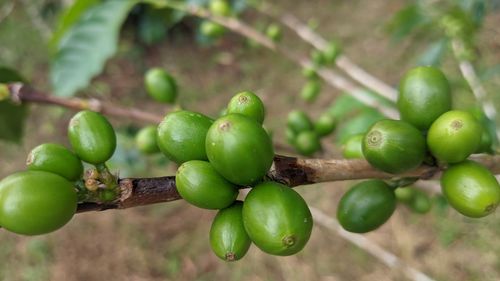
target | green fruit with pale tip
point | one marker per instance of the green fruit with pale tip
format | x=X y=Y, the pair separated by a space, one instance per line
x=366 y=206
x=353 y=148
x=145 y=140
x=394 y=146
x=57 y=159
x=248 y=104
x=310 y=91
x=454 y=136
x=298 y=121
x=239 y=149
x=424 y=94
x=181 y=136
x=277 y=219
x=36 y=202
x=307 y=143
x=325 y=125
x=199 y=184
x=160 y=85
x=471 y=189
x=228 y=237
x=92 y=137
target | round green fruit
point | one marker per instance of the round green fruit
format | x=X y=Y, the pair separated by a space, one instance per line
x=273 y=32
x=404 y=194
x=424 y=94
x=454 y=136
x=310 y=73
x=366 y=206
x=318 y=58
x=310 y=91
x=331 y=52
x=36 y=202
x=486 y=143
x=471 y=189
x=420 y=203
x=199 y=184
x=160 y=85
x=298 y=121
x=211 y=29
x=56 y=159
x=394 y=146
x=228 y=237
x=352 y=147
x=277 y=219
x=145 y=140
x=325 y=125
x=239 y=149
x=248 y=104
x=220 y=8
x=92 y=137
x=181 y=136
x=307 y=143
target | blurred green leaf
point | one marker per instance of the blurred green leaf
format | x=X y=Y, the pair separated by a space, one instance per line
x=152 y=26
x=68 y=17
x=434 y=53
x=358 y=124
x=12 y=116
x=343 y=105
x=86 y=46
x=405 y=21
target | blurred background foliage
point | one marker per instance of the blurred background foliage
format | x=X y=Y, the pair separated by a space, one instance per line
x=101 y=49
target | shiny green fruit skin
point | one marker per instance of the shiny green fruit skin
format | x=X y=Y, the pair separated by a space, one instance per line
x=199 y=184
x=454 y=136
x=310 y=91
x=325 y=125
x=424 y=94
x=298 y=121
x=394 y=146
x=248 y=104
x=212 y=29
x=307 y=143
x=145 y=140
x=92 y=137
x=57 y=159
x=239 y=149
x=160 y=85
x=220 y=8
x=353 y=148
x=228 y=237
x=471 y=189
x=36 y=202
x=366 y=206
x=277 y=219
x=181 y=136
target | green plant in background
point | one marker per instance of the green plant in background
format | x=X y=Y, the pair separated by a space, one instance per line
x=219 y=157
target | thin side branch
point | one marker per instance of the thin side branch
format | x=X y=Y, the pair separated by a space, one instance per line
x=24 y=93
x=342 y=62
x=290 y=171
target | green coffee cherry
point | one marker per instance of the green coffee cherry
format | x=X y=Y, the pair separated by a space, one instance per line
x=92 y=137
x=273 y=32
x=228 y=237
x=248 y=104
x=307 y=143
x=325 y=124
x=298 y=121
x=310 y=91
x=181 y=136
x=212 y=29
x=145 y=140
x=277 y=219
x=353 y=148
x=160 y=85
x=220 y=8
x=57 y=159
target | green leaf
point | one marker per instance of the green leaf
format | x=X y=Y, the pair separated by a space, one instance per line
x=434 y=53
x=87 y=45
x=346 y=105
x=12 y=116
x=358 y=124
x=68 y=17
x=405 y=21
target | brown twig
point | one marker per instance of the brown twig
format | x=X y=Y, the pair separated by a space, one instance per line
x=23 y=93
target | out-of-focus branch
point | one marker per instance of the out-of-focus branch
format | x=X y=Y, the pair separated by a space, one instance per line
x=343 y=62
x=330 y=76
x=24 y=93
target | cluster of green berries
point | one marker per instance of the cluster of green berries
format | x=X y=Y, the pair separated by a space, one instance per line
x=44 y=198
x=211 y=29
x=304 y=134
x=217 y=158
x=428 y=129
